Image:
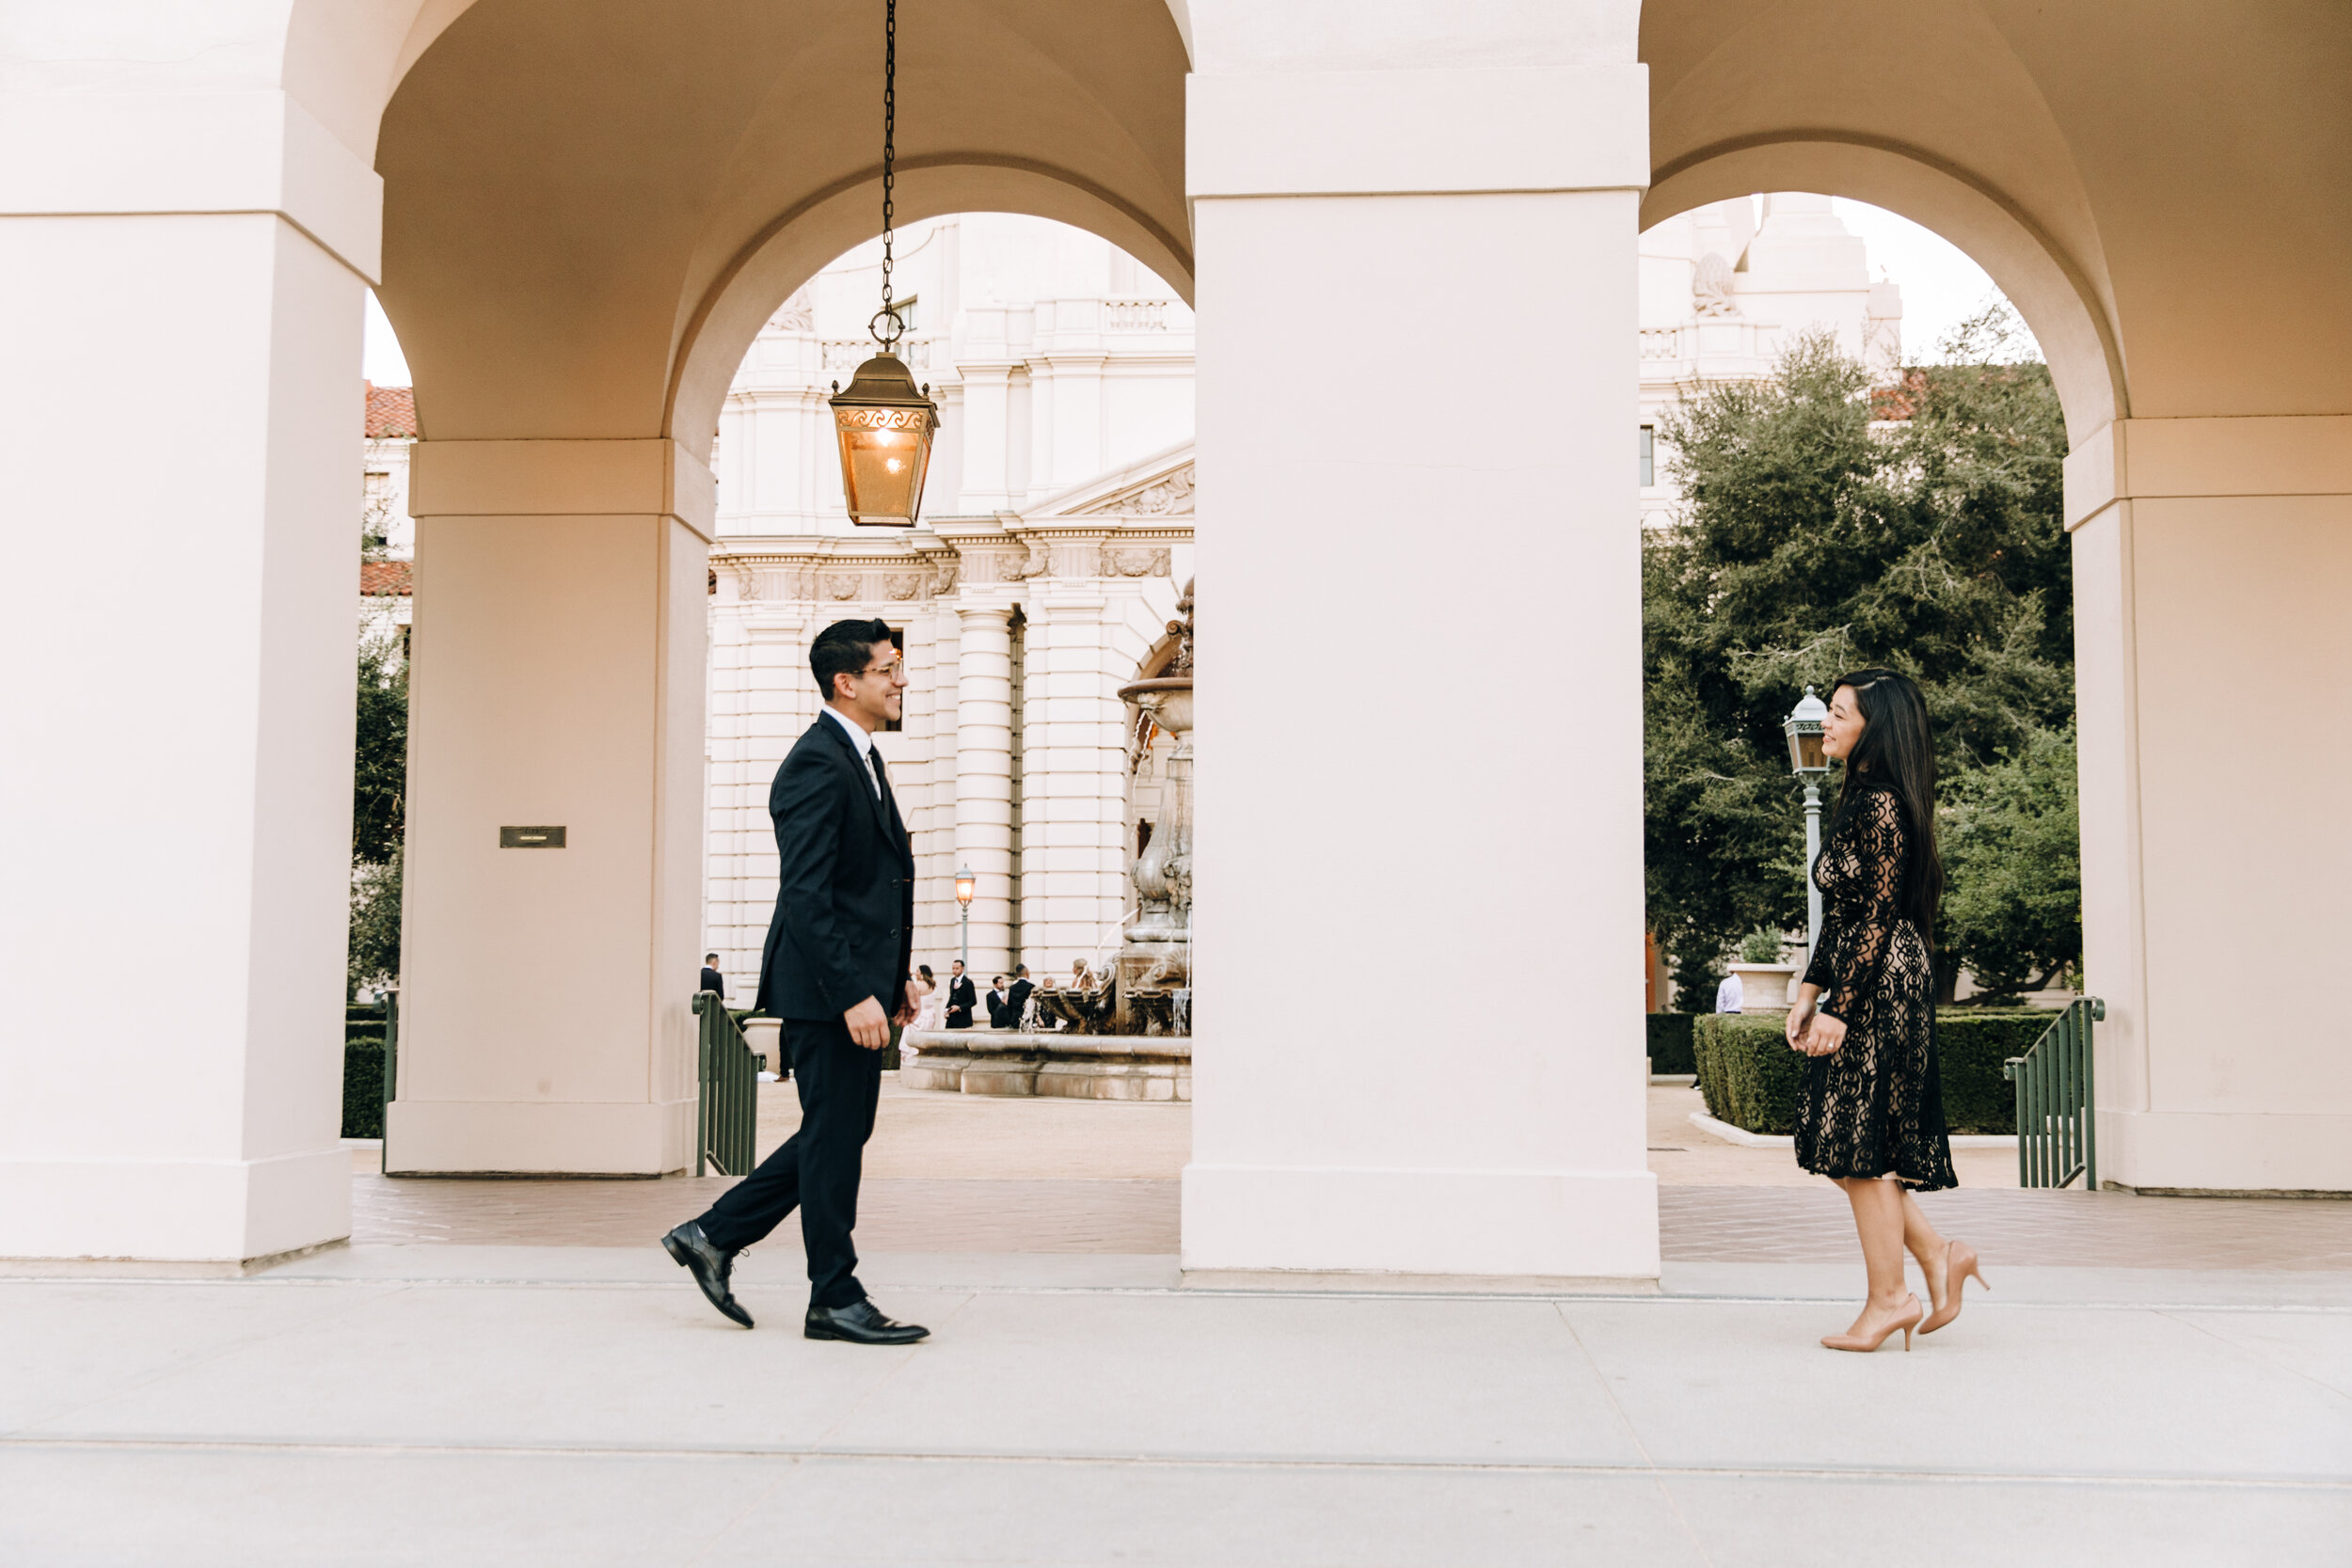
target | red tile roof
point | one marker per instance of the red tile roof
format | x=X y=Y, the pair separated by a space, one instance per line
x=392 y=412
x=384 y=579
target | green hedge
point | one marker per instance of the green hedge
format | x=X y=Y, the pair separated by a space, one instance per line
x=1670 y=1042
x=364 y=1087
x=1751 y=1078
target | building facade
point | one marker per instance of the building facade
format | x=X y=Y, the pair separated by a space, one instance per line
x=1056 y=534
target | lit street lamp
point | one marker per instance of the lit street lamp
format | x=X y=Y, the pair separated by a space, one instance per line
x=965 y=885
x=1811 y=763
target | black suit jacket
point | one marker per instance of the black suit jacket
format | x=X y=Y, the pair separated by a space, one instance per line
x=713 y=980
x=962 y=999
x=844 y=926
x=1017 y=1002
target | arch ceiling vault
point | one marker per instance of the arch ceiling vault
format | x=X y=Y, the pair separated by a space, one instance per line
x=2131 y=176
x=592 y=205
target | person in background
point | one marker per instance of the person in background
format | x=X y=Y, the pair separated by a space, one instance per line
x=925 y=1016
x=962 y=997
x=712 y=979
x=997 y=1003
x=1731 y=995
x=1017 y=997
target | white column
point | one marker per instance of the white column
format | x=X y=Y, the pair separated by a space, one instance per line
x=985 y=437
x=558 y=680
x=1433 y=527
x=984 y=775
x=2213 y=561
x=176 y=622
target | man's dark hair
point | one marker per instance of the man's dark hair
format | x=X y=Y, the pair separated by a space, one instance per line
x=1021 y=969
x=842 y=649
x=711 y=958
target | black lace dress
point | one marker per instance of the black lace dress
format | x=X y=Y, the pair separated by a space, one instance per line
x=1874 y=1107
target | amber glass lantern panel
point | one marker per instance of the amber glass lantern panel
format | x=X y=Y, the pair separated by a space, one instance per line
x=885 y=451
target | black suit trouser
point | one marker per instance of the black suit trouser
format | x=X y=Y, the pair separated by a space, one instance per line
x=819 y=1166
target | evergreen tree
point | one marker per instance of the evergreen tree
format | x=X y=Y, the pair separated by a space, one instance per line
x=1826 y=527
x=379 y=785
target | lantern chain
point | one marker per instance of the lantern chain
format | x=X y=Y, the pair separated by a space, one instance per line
x=888 y=326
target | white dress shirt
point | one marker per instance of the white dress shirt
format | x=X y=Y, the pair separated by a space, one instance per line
x=864 y=742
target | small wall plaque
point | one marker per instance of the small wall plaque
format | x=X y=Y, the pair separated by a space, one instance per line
x=531 y=838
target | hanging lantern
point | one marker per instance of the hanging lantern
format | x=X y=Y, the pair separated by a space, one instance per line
x=885 y=422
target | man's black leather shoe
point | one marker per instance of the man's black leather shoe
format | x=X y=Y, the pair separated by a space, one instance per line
x=709 y=1266
x=860 y=1324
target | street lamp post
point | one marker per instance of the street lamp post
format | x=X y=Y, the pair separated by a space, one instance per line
x=1811 y=764
x=965 y=885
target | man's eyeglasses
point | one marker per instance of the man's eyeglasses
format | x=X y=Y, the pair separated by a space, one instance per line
x=890 y=671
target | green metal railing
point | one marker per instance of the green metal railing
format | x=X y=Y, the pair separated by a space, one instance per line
x=729 y=1112
x=392 y=1076
x=2057 y=1135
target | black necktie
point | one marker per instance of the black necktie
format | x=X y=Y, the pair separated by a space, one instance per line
x=881 y=780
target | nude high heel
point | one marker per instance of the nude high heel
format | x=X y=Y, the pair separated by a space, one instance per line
x=1960 y=1264
x=1906 y=1320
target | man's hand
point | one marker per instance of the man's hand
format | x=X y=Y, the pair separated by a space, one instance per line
x=909 y=1007
x=869 y=1027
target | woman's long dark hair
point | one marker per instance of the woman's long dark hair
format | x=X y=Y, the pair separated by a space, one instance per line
x=1898 y=753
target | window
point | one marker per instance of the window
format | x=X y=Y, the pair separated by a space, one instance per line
x=1650 y=455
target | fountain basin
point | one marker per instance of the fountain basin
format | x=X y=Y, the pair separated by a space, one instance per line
x=1059 y=1066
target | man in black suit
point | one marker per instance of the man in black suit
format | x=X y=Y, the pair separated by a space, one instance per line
x=835 y=972
x=1017 y=998
x=712 y=979
x=961 y=998
x=996 y=1002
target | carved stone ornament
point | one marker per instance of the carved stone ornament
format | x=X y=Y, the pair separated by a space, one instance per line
x=799 y=313
x=846 y=585
x=943 y=577
x=902 y=585
x=1168 y=496
x=1038 y=564
x=1134 y=562
x=1710 y=287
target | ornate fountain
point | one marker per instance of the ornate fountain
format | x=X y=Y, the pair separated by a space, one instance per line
x=1119 y=1029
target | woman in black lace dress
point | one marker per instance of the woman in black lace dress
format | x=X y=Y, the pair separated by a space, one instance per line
x=1871 y=1117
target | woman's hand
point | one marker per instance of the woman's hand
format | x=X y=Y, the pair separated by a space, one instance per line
x=1801 y=1014
x=1825 y=1037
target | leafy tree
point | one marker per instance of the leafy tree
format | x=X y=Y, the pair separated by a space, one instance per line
x=379 y=779
x=2013 y=856
x=374 y=925
x=378 y=817
x=1826 y=527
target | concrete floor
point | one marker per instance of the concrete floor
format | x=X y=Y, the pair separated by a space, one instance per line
x=483 y=1380
x=453 y=1405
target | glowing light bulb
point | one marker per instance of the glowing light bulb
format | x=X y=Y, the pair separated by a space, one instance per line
x=892 y=465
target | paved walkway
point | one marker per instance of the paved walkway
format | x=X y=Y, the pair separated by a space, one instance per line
x=463 y=1405
x=509 y=1372
x=964 y=1174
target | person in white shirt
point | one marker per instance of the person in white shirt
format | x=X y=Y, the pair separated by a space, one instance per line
x=1731 y=995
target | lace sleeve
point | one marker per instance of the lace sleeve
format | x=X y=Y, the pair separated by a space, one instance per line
x=1852 y=967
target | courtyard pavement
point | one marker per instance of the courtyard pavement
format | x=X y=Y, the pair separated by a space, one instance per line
x=2153 y=1380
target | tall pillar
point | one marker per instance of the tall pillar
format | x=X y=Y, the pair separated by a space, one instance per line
x=2213 y=560
x=176 y=621
x=984 y=775
x=557 y=681
x=1419 y=660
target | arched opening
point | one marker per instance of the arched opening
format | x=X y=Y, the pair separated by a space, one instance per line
x=591 y=216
